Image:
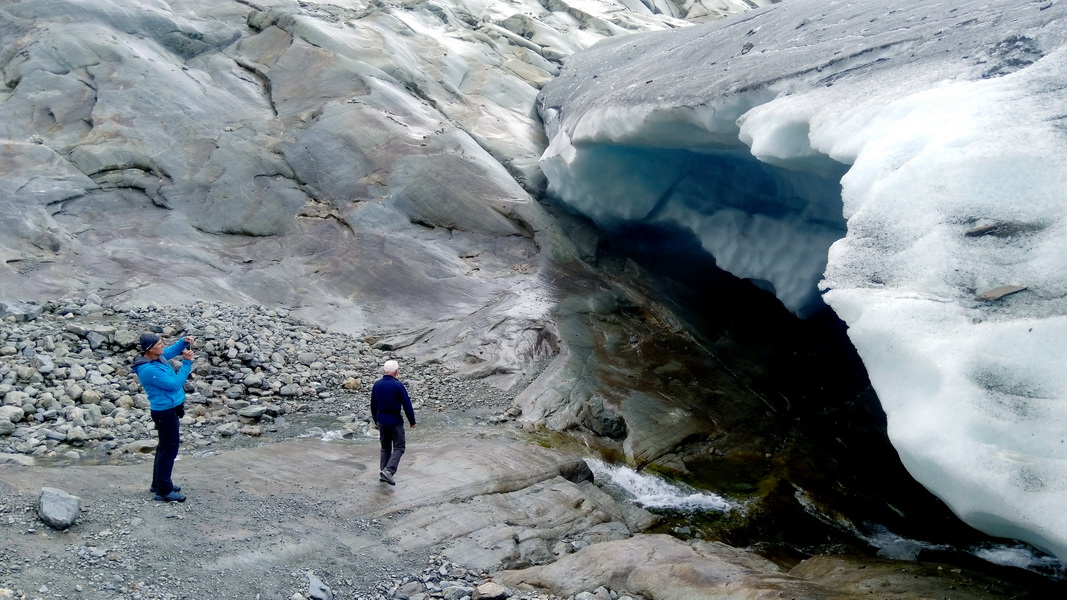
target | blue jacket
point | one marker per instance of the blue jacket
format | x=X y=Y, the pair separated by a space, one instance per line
x=387 y=398
x=164 y=385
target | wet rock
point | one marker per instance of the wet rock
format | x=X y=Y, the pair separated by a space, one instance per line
x=648 y=565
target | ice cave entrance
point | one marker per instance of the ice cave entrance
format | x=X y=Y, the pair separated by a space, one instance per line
x=771 y=225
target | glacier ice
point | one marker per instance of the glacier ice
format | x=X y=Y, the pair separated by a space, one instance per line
x=893 y=160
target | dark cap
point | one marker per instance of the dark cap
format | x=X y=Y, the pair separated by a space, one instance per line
x=148 y=340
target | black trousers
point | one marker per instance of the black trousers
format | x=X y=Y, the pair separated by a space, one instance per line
x=167 y=427
x=393 y=444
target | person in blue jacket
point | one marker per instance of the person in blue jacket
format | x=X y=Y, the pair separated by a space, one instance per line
x=388 y=398
x=166 y=395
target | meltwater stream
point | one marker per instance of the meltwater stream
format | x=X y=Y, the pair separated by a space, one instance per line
x=653 y=492
x=650 y=491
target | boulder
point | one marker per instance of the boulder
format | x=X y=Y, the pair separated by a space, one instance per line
x=20 y=312
x=11 y=413
x=17 y=459
x=490 y=591
x=57 y=508
x=141 y=446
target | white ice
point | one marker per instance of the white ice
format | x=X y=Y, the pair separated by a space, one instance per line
x=920 y=149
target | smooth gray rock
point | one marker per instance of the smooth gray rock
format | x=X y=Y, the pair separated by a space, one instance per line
x=253 y=412
x=11 y=412
x=57 y=508
x=17 y=459
x=317 y=590
x=311 y=163
x=490 y=591
x=662 y=567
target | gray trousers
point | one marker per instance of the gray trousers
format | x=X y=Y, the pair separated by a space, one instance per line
x=393 y=444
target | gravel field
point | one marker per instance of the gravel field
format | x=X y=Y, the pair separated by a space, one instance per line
x=82 y=426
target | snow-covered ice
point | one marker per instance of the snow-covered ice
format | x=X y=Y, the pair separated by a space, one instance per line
x=895 y=161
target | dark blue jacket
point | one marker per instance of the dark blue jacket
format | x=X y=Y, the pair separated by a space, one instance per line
x=387 y=398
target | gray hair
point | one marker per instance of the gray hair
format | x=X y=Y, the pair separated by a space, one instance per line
x=390 y=367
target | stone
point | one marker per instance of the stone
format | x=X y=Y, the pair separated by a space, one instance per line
x=16 y=398
x=95 y=339
x=409 y=589
x=275 y=410
x=317 y=590
x=490 y=591
x=141 y=446
x=922 y=579
x=18 y=459
x=76 y=435
x=126 y=339
x=21 y=312
x=999 y=292
x=11 y=413
x=57 y=508
x=253 y=412
x=648 y=565
x=75 y=391
x=456 y=592
x=45 y=364
x=252 y=430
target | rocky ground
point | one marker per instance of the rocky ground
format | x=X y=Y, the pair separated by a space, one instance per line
x=69 y=399
x=231 y=539
x=68 y=391
x=279 y=465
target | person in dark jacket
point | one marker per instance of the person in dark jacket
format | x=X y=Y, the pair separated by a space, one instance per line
x=388 y=398
x=166 y=396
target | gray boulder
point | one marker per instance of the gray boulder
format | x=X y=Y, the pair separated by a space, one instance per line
x=11 y=413
x=57 y=508
x=20 y=311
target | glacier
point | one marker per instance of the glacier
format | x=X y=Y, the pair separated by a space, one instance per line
x=903 y=163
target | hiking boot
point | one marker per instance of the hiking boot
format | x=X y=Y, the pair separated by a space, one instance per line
x=176 y=488
x=171 y=497
x=386 y=477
